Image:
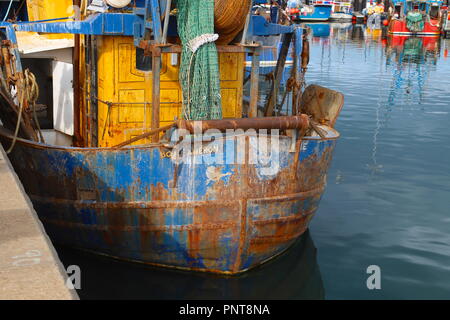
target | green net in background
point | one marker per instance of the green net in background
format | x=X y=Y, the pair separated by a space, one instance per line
x=199 y=71
x=414 y=21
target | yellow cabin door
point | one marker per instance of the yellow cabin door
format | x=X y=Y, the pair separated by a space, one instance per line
x=125 y=93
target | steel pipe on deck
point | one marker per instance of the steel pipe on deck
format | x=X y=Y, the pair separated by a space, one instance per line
x=300 y=122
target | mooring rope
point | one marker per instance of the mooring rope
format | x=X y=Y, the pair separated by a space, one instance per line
x=31 y=95
x=28 y=92
x=19 y=119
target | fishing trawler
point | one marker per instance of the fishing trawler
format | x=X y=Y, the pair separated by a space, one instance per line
x=151 y=155
x=341 y=11
x=310 y=11
x=415 y=18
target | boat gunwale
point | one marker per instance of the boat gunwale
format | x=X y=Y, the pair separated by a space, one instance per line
x=40 y=145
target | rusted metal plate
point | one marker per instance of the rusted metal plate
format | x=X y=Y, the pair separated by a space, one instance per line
x=137 y=204
x=322 y=104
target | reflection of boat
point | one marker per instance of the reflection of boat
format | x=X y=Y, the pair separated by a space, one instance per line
x=319 y=29
x=413 y=17
x=341 y=26
x=113 y=185
x=293 y=275
x=413 y=49
x=412 y=58
x=375 y=15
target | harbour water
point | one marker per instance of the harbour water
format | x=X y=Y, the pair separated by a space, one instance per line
x=386 y=203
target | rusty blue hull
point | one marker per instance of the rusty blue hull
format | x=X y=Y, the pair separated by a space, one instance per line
x=137 y=204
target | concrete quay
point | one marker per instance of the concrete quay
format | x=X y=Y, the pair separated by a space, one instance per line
x=29 y=265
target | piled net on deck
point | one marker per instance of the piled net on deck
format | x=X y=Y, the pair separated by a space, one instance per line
x=414 y=21
x=199 y=70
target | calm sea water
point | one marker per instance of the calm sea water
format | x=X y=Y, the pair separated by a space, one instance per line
x=388 y=197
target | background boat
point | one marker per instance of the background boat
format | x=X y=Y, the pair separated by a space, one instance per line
x=341 y=11
x=420 y=18
x=314 y=11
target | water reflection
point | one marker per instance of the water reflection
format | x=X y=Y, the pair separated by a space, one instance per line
x=412 y=59
x=319 y=29
x=293 y=275
x=388 y=204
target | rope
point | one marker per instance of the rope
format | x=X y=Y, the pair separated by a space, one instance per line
x=229 y=18
x=31 y=95
x=9 y=9
x=17 y=12
x=28 y=94
x=19 y=119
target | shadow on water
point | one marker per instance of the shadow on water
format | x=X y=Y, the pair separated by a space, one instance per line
x=293 y=275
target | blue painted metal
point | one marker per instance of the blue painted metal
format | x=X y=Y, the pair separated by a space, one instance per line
x=153 y=11
x=100 y=24
x=269 y=54
x=135 y=24
x=260 y=27
x=127 y=203
x=298 y=45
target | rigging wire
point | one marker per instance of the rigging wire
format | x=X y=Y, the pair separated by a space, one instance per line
x=9 y=9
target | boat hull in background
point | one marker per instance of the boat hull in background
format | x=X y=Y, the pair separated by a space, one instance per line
x=399 y=28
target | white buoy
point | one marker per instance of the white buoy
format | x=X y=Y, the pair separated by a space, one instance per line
x=118 y=3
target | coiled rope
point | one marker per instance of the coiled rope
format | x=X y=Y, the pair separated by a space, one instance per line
x=229 y=18
x=31 y=96
x=28 y=93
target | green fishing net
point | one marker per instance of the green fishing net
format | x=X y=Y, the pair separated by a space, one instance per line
x=414 y=21
x=199 y=71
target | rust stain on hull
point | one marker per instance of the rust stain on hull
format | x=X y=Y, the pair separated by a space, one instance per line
x=124 y=204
